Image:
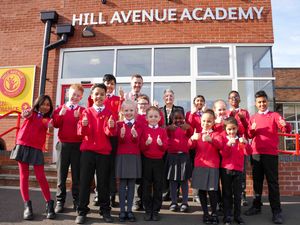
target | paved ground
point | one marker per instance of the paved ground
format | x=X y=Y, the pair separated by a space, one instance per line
x=11 y=211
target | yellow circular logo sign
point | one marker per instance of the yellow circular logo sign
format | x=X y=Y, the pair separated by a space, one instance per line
x=12 y=83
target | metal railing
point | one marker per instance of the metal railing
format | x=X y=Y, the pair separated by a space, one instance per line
x=297 y=144
x=17 y=127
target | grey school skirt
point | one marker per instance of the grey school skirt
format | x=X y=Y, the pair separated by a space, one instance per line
x=27 y=154
x=128 y=166
x=205 y=178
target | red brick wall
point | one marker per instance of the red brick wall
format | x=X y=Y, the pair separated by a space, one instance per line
x=287 y=78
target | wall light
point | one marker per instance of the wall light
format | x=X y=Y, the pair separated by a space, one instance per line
x=88 y=32
x=103 y=1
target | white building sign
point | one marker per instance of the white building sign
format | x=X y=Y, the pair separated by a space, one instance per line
x=169 y=15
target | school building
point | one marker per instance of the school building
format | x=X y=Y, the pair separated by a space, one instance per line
x=193 y=47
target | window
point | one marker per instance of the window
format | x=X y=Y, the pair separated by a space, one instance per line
x=172 y=62
x=133 y=61
x=213 y=90
x=182 y=95
x=146 y=89
x=213 y=61
x=254 y=61
x=85 y=64
x=247 y=90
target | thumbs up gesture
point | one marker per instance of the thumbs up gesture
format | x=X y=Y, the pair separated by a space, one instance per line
x=231 y=141
x=111 y=122
x=121 y=92
x=195 y=136
x=243 y=140
x=77 y=112
x=85 y=121
x=206 y=137
x=122 y=131
x=133 y=131
x=63 y=110
x=158 y=140
x=253 y=125
x=50 y=124
x=282 y=121
x=149 y=140
x=26 y=113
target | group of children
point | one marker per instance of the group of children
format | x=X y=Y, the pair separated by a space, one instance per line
x=132 y=146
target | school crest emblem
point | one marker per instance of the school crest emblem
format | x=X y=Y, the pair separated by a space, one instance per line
x=12 y=83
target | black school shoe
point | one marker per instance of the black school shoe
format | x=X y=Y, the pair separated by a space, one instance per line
x=155 y=216
x=206 y=219
x=107 y=217
x=277 y=218
x=252 y=211
x=239 y=220
x=59 y=208
x=80 y=219
x=148 y=216
x=131 y=217
x=122 y=216
x=214 y=219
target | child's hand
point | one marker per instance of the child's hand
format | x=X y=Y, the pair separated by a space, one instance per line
x=172 y=127
x=121 y=92
x=63 y=110
x=50 y=124
x=111 y=122
x=241 y=114
x=253 y=125
x=77 y=113
x=231 y=141
x=282 y=121
x=26 y=113
x=158 y=140
x=219 y=119
x=206 y=138
x=122 y=131
x=85 y=121
x=195 y=136
x=134 y=132
x=185 y=126
x=243 y=140
x=149 y=140
x=155 y=103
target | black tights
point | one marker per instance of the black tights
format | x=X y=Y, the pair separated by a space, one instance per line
x=213 y=197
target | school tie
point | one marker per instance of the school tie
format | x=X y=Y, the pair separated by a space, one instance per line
x=72 y=107
x=135 y=97
x=40 y=115
x=129 y=124
x=108 y=95
x=99 y=110
x=153 y=127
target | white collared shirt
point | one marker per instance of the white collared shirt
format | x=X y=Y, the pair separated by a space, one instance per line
x=153 y=126
x=68 y=104
x=207 y=131
x=263 y=113
x=101 y=108
x=129 y=121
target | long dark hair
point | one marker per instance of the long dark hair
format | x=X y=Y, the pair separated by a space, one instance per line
x=39 y=101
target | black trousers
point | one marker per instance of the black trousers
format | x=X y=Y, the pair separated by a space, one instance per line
x=152 y=184
x=231 y=191
x=266 y=165
x=67 y=154
x=113 y=183
x=89 y=162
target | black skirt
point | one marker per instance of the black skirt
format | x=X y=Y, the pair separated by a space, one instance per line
x=178 y=167
x=27 y=154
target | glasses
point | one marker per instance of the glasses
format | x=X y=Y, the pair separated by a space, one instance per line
x=143 y=103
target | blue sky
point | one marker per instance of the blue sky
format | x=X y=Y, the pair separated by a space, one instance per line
x=286 y=26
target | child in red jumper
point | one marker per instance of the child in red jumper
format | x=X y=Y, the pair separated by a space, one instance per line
x=178 y=165
x=95 y=125
x=28 y=151
x=194 y=117
x=128 y=160
x=263 y=130
x=154 y=143
x=205 y=176
x=234 y=149
x=65 y=118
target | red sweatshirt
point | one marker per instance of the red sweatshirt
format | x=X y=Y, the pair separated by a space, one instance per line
x=154 y=151
x=233 y=156
x=194 y=120
x=265 y=137
x=129 y=144
x=207 y=153
x=178 y=140
x=67 y=125
x=113 y=103
x=33 y=131
x=95 y=134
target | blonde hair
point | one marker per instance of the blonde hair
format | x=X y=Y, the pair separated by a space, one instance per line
x=77 y=87
x=129 y=102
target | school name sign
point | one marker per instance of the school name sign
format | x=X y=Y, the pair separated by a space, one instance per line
x=169 y=15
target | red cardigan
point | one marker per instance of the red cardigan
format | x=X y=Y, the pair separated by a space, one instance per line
x=33 y=131
x=154 y=151
x=67 y=125
x=96 y=133
x=178 y=140
x=129 y=144
x=194 y=120
x=207 y=153
x=233 y=156
x=265 y=137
